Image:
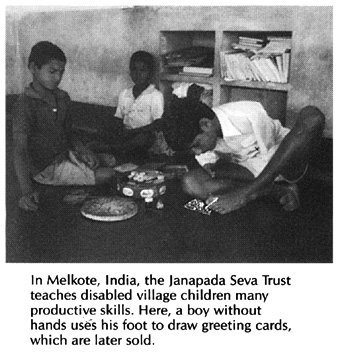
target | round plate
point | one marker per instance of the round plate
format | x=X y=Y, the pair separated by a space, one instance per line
x=109 y=209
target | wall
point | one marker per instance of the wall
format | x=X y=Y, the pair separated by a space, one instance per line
x=99 y=42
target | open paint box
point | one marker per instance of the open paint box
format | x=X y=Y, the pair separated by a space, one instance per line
x=143 y=184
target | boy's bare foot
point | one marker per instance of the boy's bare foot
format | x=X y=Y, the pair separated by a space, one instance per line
x=229 y=202
x=30 y=201
x=236 y=199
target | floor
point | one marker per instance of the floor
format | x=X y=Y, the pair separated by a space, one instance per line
x=260 y=232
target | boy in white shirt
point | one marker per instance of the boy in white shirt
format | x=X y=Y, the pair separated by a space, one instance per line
x=244 y=152
x=140 y=108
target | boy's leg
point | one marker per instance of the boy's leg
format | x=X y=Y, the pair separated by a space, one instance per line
x=200 y=183
x=301 y=142
x=289 y=160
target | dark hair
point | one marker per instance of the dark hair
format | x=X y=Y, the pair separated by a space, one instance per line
x=43 y=52
x=144 y=57
x=183 y=121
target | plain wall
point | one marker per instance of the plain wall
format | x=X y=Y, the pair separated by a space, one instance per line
x=99 y=42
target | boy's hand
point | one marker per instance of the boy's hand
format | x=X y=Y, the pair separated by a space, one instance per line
x=30 y=201
x=88 y=157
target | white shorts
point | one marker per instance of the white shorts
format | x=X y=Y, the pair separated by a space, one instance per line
x=256 y=164
x=67 y=172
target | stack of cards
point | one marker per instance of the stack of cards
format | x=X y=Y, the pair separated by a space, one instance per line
x=199 y=206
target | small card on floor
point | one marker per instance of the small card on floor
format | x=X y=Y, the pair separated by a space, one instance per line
x=199 y=206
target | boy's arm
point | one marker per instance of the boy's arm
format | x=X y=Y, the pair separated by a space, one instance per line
x=30 y=198
x=21 y=116
x=68 y=124
x=82 y=152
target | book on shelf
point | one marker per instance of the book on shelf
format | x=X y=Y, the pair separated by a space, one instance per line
x=286 y=66
x=279 y=38
x=279 y=64
x=247 y=47
x=258 y=76
x=272 y=70
x=257 y=70
x=248 y=43
x=273 y=46
x=195 y=74
x=276 y=45
x=234 y=66
x=244 y=63
x=197 y=70
x=255 y=45
x=246 y=67
x=263 y=70
x=254 y=71
x=250 y=39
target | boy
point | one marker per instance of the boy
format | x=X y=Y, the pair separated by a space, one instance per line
x=246 y=154
x=140 y=107
x=44 y=150
x=182 y=119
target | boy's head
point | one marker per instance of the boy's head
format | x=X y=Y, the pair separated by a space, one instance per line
x=206 y=140
x=209 y=128
x=141 y=68
x=47 y=64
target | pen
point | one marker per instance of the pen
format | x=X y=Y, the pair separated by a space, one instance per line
x=212 y=202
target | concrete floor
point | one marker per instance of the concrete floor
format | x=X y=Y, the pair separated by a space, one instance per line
x=259 y=232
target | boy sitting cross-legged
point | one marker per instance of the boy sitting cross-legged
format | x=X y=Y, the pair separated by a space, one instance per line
x=139 y=110
x=45 y=151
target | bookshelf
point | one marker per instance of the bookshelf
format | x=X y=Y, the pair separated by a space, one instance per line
x=284 y=87
x=271 y=90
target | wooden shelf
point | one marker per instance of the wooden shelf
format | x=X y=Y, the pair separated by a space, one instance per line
x=272 y=95
x=257 y=85
x=186 y=78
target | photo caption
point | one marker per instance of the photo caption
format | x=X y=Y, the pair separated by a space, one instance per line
x=124 y=310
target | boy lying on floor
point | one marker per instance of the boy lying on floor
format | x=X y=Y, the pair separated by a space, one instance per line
x=245 y=154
